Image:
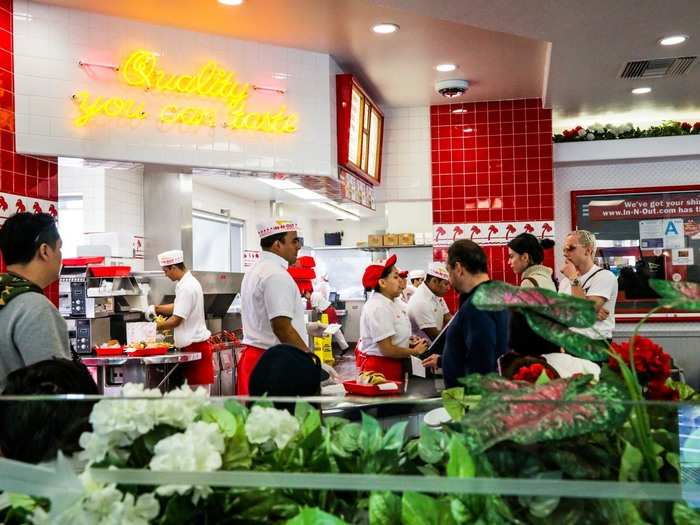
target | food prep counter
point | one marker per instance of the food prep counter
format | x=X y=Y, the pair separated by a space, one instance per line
x=112 y=372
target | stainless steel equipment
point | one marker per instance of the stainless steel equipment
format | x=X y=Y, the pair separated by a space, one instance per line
x=351 y=324
x=85 y=334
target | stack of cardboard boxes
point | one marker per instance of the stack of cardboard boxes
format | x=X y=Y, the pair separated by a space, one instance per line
x=393 y=239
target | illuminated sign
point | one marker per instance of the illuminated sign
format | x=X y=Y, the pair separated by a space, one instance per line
x=140 y=69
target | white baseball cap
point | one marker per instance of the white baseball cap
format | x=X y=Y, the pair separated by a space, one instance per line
x=437 y=269
x=416 y=274
x=170 y=257
x=275 y=226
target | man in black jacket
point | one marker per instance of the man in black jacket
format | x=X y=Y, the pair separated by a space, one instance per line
x=475 y=338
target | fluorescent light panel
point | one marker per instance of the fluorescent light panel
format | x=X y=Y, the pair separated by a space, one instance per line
x=307 y=195
x=281 y=184
x=337 y=211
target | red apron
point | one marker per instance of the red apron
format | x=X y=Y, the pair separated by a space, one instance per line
x=200 y=372
x=391 y=368
x=249 y=358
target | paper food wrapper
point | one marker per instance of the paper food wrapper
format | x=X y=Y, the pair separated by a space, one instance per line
x=140 y=332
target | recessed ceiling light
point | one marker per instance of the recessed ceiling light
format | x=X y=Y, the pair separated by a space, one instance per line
x=673 y=40
x=385 y=28
x=231 y=2
x=445 y=68
x=459 y=110
x=641 y=90
x=467 y=130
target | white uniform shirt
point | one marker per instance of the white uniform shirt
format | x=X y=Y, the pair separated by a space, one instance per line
x=189 y=305
x=382 y=318
x=602 y=284
x=268 y=291
x=408 y=292
x=426 y=310
x=324 y=288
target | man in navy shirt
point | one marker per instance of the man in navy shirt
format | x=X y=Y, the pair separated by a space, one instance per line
x=475 y=338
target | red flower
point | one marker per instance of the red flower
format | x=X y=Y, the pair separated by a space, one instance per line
x=532 y=373
x=650 y=360
x=657 y=390
x=685 y=126
x=696 y=126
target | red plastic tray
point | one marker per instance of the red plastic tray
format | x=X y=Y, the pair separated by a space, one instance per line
x=110 y=271
x=107 y=352
x=353 y=387
x=149 y=351
x=83 y=261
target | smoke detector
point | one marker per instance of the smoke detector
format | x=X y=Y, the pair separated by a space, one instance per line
x=452 y=88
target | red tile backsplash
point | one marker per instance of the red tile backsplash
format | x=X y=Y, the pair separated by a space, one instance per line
x=497 y=154
x=19 y=174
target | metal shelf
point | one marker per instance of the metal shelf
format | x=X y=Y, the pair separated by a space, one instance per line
x=369 y=248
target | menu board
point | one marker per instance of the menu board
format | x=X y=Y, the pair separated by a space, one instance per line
x=643 y=233
x=360 y=130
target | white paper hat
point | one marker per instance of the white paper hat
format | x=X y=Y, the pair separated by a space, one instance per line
x=438 y=270
x=319 y=302
x=416 y=274
x=170 y=257
x=275 y=226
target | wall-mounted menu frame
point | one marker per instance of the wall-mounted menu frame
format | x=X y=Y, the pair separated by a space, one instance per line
x=643 y=233
x=360 y=130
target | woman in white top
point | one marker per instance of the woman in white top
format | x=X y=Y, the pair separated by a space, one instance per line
x=385 y=330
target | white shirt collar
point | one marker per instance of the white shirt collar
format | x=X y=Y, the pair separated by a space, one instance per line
x=594 y=268
x=269 y=256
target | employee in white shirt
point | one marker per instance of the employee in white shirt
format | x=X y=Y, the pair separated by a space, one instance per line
x=415 y=279
x=323 y=286
x=427 y=309
x=385 y=331
x=271 y=311
x=186 y=318
x=583 y=278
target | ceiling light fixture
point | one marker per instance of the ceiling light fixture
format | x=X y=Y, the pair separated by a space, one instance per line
x=446 y=68
x=467 y=130
x=641 y=90
x=385 y=28
x=231 y=2
x=342 y=214
x=459 y=110
x=672 y=40
x=281 y=184
x=307 y=195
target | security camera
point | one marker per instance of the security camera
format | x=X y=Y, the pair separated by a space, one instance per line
x=451 y=88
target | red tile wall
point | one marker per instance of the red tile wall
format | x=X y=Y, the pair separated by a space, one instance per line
x=500 y=153
x=19 y=174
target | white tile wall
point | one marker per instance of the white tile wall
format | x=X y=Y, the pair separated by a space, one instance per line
x=90 y=184
x=406 y=155
x=51 y=40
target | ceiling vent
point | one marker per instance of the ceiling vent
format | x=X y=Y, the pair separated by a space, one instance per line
x=657 y=67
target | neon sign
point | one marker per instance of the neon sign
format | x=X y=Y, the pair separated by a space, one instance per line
x=140 y=69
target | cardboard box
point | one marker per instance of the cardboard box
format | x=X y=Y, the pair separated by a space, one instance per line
x=391 y=239
x=407 y=239
x=420 y=239
x=375 y=240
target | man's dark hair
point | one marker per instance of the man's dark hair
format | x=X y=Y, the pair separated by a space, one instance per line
x=267 y=242
x=34 y=431
x=23 y=233
x=179 y=266
x=469 y=254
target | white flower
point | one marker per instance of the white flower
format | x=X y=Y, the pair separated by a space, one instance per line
x=198 y=449
x=597 y=128
x=118 y=422
x=582 y=132
x=269 y=423
x=590 y=136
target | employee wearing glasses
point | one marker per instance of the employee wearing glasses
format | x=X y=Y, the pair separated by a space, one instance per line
x=583 y=278
x=31 y=328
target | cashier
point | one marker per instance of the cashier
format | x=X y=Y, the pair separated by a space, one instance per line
x=415 y=279
x=185 y=317
x=385 y=330
x=427 y=309
x=271 y=311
